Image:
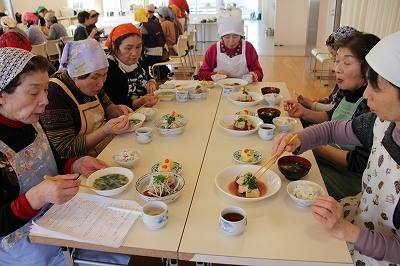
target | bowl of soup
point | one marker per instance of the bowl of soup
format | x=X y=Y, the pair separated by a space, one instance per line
x=294 y=167
x=267 y=114
x=136 y=120
x=110 y=181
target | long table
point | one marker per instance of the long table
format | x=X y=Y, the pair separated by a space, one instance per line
x=278 y=232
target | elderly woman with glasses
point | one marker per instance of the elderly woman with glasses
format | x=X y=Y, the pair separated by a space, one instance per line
x=232 y=55
x=80 y=117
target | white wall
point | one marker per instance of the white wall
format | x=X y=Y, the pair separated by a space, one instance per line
x=24 y=5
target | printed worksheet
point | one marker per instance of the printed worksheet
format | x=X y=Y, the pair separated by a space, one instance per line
x=89 y=218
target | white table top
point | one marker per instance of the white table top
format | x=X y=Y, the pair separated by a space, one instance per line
x=278 y=232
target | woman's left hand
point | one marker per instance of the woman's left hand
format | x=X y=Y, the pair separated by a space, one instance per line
x=87 y=165
x=329 y=213
x=118 y=110
x=150 y=100
x=255 y=76
x=151 y=87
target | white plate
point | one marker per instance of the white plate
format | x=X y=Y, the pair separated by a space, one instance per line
x=107 y=171
x=166 y=86
x=199 y=96
x=257 y=98
x=227 y=175
x=227 y=122
x=229 y=83
x=217 y=77
x=257 y=157
x=142 y=183
x=177 y=168
x=250 y=113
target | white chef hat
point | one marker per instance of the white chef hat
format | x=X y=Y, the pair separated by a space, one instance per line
x=384 y=58
x=230 y=25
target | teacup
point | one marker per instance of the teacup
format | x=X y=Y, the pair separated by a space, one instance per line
x=144 y=135
x=266 y=131
x=182 y=96
x=233 y=220
x=228 y=90
x=155 y=214
x=248 y=78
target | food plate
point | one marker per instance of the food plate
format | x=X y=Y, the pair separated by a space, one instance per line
x=199 y=94
x=226 y=123
x=166 y=94
x=217 y=77
x=227 y=175
x=149 y=112
x=257 y=98
x=142 y=183
x=257 y=157
x=207 y=84
x=106 y=171
x=170 y=131
x=232 y=83
x=243 y=112
x=166 y=86
x=177 y=169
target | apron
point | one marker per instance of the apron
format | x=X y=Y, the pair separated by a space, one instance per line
x=379 y=198
x=92 y=118
x=236 y=64
x=30 y=166
x=345 y=111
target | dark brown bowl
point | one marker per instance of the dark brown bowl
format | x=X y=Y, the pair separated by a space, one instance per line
x=267 y=90
x=267 y=114
x=294 y=167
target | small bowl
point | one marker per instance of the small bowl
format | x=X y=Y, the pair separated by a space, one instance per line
x=233 y=83
x=138 y=116
x=166 y=94
x=305 y=186
x=294 y=167
x=149 y=112
x=177 y=168
x=217 y=77
x=207 y=84
x=273 y=99
x=199 y=94
x=267 y=114
x=267 y=90
x=166 y=86
x=170 y=131
x=127 y=157
x=237 y=156
x=142 y=183
x=107 y=171
x=284 y=123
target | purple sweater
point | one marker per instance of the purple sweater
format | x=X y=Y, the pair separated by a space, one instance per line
x=359 y=131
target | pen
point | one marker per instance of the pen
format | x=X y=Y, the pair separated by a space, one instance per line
x=125 y=210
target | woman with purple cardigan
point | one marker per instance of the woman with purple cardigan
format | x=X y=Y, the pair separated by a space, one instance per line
x=369 y=221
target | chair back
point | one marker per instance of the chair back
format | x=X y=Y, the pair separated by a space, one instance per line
x=39 y=49
x=182 y=45
x=190 y=37
x=51 y=47
x=66 y=39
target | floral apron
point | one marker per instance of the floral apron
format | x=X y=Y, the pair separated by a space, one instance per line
x=236 y=64
x=30 y=166
x=92 y=117
x=374 y=207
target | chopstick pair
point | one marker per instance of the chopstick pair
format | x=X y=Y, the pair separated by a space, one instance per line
x=52 y=178
x=116 y=124
x=274 y=157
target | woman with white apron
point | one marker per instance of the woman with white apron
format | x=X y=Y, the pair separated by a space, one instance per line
x=26 y=156
x=369 y=222
x=75 y=118
x=232 y=56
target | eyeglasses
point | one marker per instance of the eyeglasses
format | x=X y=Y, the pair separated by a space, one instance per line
x=151 y=12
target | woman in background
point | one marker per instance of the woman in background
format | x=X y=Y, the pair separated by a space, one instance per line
x=232 y=55
x=127 y=82
x=35 y=35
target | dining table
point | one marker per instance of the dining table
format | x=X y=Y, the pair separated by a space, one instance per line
x=278 y=231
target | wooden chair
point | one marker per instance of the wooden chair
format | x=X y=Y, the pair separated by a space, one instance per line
x=66 y=39
x=52 y=51
x=39 y=49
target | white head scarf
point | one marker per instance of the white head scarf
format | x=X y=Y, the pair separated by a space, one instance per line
x=384 y=58
x=8 y=22
x=230 y=25
x=12 y=62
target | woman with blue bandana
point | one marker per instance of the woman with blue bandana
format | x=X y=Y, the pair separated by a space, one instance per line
x=80 y=116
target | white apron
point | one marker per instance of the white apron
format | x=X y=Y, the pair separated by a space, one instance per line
x=375 y=205
x=236 y=64
x=92 y=117
x=30 y=166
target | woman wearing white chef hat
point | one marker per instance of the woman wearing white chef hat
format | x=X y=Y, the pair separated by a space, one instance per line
x=232 y=55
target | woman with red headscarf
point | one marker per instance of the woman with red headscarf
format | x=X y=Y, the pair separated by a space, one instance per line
x=127 y=81
x=35 y=35
x=183 y=15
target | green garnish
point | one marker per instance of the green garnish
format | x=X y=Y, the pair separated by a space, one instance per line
x=251 y=181
x=241 y=119
x=159 y=179
x=170 y=119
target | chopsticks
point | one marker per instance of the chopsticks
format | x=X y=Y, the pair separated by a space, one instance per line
x=52 y=178
x=274 y=157
x=116 y=124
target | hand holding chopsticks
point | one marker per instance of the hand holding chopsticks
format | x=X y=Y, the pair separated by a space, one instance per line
x=274 y=158
x=53 y=178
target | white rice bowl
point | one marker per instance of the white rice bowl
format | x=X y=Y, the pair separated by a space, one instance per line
x=303 y=192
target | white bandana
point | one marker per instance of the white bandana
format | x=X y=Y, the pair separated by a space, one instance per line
x=230 y=25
